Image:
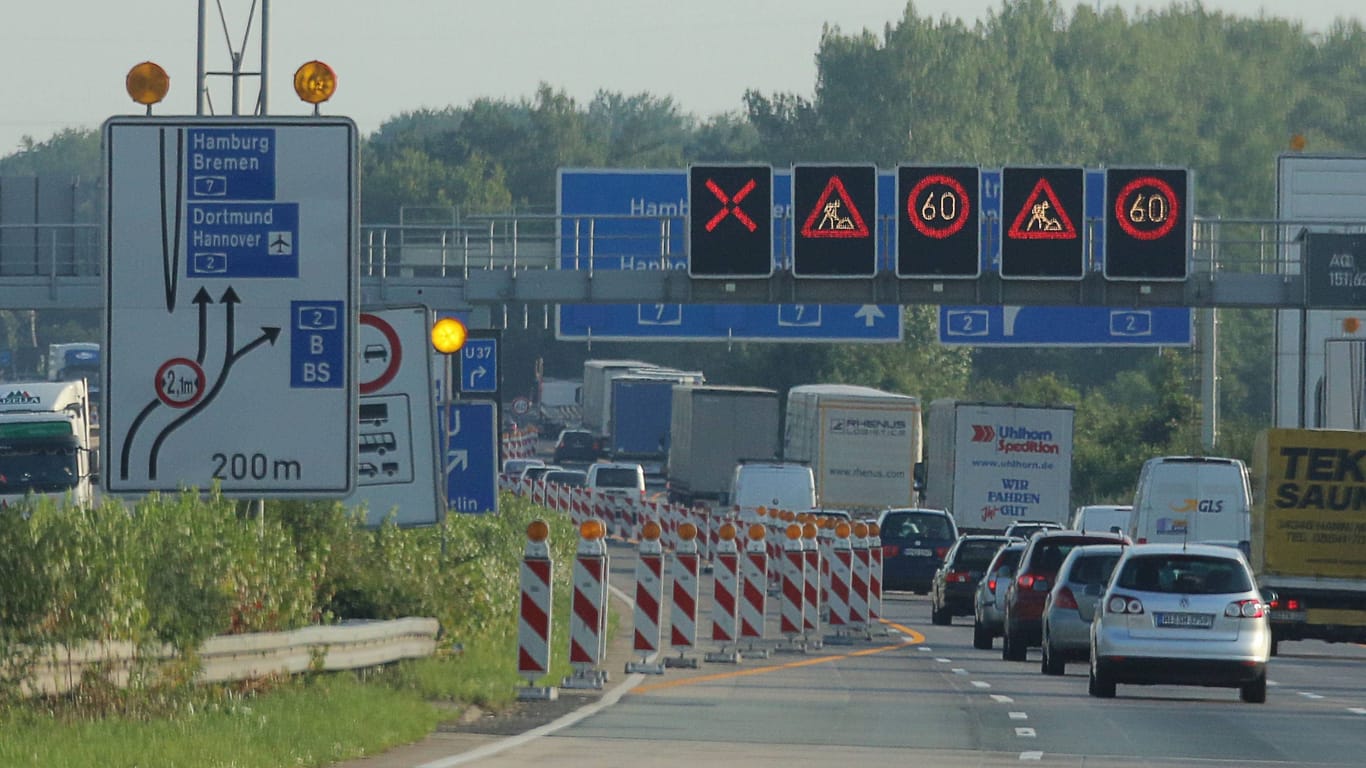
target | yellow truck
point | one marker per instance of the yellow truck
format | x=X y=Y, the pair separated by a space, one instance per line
x=1309 y=532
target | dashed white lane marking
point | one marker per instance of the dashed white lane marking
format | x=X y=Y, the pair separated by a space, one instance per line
x=1001 y=699
x=1031 y=755
x=980 y=684
x=943 y=660
x=1357 y=710
x=1025 y=733
x=1019 y=716
x=1310 y=695
x=924 y=649
x=1272 y=683
x=958 y=671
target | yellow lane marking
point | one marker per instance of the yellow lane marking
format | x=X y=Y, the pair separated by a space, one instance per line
x=913 y=638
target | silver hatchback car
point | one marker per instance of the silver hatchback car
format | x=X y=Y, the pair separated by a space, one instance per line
x=1071 y=604
x=988 y=618
x=1183 y=615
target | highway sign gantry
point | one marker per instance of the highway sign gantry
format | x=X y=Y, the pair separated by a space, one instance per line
x=834 y=222
x=937 y=222
x=230 y=305
x=730 y=221
x=1147 y=223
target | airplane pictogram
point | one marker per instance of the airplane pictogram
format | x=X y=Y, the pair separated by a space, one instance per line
x=825 y=219
x=730 y=206
x=1042 y=217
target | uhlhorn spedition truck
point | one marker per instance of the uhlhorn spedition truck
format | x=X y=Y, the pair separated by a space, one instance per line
x=862 y=444
x=45 y=445
x=1309 y=532
x=993 y=464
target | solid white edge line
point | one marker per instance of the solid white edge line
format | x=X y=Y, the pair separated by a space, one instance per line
x=588 y=710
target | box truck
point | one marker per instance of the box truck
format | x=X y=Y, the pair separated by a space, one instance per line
x=597 y=387
x=1309 y=532
x=45 y=442
x=639 y=411
x=862 y=444
x=712 y=429
x=993 y=464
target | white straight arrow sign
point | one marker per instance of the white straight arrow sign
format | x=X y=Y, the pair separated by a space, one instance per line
x=869 y=313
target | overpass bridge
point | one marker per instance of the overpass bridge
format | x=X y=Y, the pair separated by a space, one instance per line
x=542 y=259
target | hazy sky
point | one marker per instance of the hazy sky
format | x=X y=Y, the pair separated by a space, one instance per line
x=66 y=61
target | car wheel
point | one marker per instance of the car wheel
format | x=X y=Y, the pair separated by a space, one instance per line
x=1099 y=684
x=1052 y=665
x=940 y=616
x=1013 y=647
x=981 y=637
x=1255 y=691
x=1275 y=645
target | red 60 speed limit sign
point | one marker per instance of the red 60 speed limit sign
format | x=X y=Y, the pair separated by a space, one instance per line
x=1147 y=208
x=939 y=234
x=1147 y=223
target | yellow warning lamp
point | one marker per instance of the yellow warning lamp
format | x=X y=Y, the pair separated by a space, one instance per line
x=761 y=511
x=650 y=531
x=787 y=515
x=1351 y=324
x=756 y=532
x=809 y=530
x=147 y=83
x=727 y=532
x=874 y=530
x=793 y=532
x=861 y=530
x=538 y=531
x=842 y=529
x=687 y=531
x=448 y=335
x=1298 y=142
x=592 y=530
x=315 y=82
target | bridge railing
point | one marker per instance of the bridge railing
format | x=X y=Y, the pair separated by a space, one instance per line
x=588 y=243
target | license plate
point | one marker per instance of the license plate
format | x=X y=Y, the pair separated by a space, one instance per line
x=1187 y=620
x=919 y=552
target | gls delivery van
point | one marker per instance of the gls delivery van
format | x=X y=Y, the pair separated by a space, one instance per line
x=1192 y=499
x=771 y=484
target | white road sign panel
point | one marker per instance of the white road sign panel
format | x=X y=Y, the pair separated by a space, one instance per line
x=231 y=294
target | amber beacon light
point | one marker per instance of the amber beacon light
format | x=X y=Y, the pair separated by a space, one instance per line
x=448 y=335
x=147 y=83
x=315 y=82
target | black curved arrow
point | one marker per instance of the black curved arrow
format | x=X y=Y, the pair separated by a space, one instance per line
x=132 y=431
x=268 y=334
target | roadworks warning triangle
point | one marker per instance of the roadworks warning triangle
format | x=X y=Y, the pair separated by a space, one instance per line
x=1042 y=217
x=834 y=214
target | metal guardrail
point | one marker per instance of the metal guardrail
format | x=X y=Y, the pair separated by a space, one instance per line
x=351 y=645
x=470 y=262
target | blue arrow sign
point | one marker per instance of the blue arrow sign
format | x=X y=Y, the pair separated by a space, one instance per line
x=636 y=219
x=471 y=456
x=479 y=366
x=1065 y=326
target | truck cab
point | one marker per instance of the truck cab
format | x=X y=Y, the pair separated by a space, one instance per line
x=45 y=444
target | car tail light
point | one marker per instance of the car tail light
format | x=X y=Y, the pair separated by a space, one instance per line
x=1247 y=609
x=891 y=550
x=1036 y=582
x=939 y=552
x=1292 y=604
x=1122 y=604
x=991 y=583
x=1142 y=539
x=1065 y=599
x=958 y=577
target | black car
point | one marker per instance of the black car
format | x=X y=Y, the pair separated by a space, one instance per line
x=577 y=445
x=955 y=583
x=914 y=543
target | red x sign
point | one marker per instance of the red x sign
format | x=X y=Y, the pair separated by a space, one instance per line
x=730 y=206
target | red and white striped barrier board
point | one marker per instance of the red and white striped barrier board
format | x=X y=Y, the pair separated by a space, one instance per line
x=837 y=598
x=793 y=568
x=649 y=598
x=858 y=580
x=875 y=624
x=754 y=590
x=725 y=598
x=683 y=615
x=811 y=602
x=533 y=622
x=588 y=609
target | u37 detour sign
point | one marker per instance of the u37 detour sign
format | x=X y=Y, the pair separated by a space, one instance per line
x=1312 y=497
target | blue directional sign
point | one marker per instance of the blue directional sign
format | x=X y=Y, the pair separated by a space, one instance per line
x=471 y=456
x=479 y=366
x=1062 y=326
x=637 y=219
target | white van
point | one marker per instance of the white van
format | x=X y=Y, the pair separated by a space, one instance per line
x=1192 y=499
x=1102 y=518
x=772 y=484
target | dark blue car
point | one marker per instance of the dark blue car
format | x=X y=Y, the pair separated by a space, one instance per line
x=914 y=542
